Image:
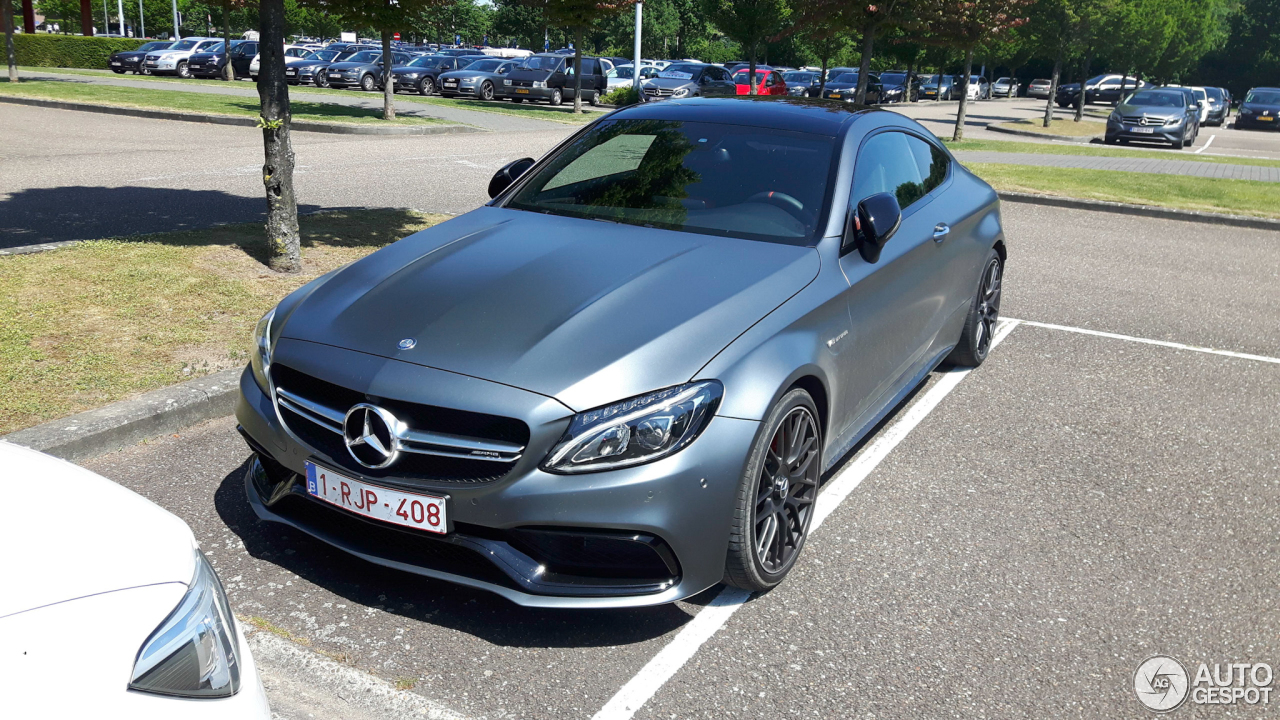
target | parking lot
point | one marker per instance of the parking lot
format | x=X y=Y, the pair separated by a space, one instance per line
x=1012 y=542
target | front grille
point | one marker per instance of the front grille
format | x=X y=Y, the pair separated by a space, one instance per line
x=441 y=448
x=658 y=91
x=522 y=83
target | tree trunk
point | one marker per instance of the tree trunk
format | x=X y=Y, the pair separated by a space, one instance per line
x=229 y=72
x=864 y=68
x=86 y=18
x=822 y=79
x=1053 y=89
x=284 y=252
x=910 y=75
x=1084 y=77
x=388 y=79
x=751 y=69
x=958 y=135
x=6 y=9
x=1124 y=80
x=29 y=17
x=577 y=70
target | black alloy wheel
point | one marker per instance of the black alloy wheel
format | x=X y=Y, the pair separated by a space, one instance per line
x=427 y=86
x=777 y=495
x=486 y=90
x=322 y=78
x=984 y=314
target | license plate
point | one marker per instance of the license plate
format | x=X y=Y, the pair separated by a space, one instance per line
x=1265 y=119
x=115 y=63
x=290 y=72
x=1143 y=130
x=522 y=92
x=835 y=96
x=411 y=510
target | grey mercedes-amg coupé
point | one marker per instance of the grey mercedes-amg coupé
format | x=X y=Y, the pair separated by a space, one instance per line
x=622 y=380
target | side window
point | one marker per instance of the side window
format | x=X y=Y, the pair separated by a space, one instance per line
x=886 y=164
x=931 y=160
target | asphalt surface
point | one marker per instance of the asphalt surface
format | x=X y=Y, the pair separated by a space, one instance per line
x=1075 y=505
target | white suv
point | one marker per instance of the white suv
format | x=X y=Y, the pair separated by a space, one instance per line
x=173 y=61
x=290 y=52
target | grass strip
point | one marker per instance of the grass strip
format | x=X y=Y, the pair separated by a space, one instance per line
x=102 y=320
x=1040 y=148
x=1236 y=197
x=1071 y=128
x=197 y=102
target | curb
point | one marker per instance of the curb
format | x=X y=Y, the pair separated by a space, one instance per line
x=995 y=127
x=1151 y=211
x=299 y=125
x=111 y=427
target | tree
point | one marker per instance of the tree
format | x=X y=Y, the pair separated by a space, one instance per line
x=748 y=22
x=283 y=241
x=1251 y=54
x=964 y=25
x=824 y=42
x=577 y=15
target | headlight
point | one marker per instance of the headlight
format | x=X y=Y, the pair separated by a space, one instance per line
x=194 y=652
x=795 y=91
x=1173 y=121
x=506 y=81
x=1115 y=116
x=1246 y=111
x=679 y=92
x=635 y=431
x=409 y=76
x=261 y=353
x=539 y=83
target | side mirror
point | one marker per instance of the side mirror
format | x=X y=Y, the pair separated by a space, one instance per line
x=871 y=224
x=507 y=175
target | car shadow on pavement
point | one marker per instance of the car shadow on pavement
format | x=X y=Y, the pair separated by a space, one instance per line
x=475 y=612
x=43 y=215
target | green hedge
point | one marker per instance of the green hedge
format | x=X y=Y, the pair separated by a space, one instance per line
x=69 y=51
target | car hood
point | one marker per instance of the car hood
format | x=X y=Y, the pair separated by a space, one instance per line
x=99 y=538
x=584 y=311
x=1260 y=107
x=668 y=83
x=1069 y=87
x=842 y=86
x=350 y=66
x=1149 y=110
x=465 y=74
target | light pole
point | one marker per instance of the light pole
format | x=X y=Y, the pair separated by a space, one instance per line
x=142 y=23
x=177 y=24
x=106 y=21
x=635 y=71
x=120 y=9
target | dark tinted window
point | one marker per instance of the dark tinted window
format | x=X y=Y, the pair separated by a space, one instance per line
x=732 y=180
x=932 y=161
x=1263 y=97
x=1215 y=93
x=889 y=162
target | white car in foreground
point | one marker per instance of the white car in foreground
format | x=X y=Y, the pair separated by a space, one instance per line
x=108 y=609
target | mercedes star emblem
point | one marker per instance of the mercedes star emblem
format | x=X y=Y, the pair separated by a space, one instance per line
x=370 y=435
x=408 y=343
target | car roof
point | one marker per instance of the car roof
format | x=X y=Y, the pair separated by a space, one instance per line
x=1271 y=89
x=810 y=115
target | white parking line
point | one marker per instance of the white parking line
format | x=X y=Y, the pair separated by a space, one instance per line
x=1147 y=341
x=1206 y=145
x=647 y=682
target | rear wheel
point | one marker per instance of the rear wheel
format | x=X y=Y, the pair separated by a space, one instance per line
x=980 y=326
x=486 y=90
x=776 y=495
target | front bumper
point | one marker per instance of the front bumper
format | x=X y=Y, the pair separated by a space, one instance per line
x=683 y=502
x=461 y=89
x=1161 y=133
x=1256 y=121
x=544 y=93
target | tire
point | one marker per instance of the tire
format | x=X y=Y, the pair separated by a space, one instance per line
x=183 y=72
x=984 y=313
x=557 y=97
x=1109 y=139
x=367 y=83
x=1181 y=142
x=486 y=90
x=426 y=86
x=759 y=556
x=322 y=79
x=595 y=99
x=143 y=71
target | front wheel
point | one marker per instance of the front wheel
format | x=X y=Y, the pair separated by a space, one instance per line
x=486 y=90
x=776 y=495
x=984 y=312
x=556 y=97
x=183 y=70
x=427 y=86
x=367 y=83
x=322 y=79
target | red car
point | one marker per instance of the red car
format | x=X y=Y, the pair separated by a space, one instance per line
x=768 y=81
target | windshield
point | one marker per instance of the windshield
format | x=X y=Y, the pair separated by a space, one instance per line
x=1095 y=79
x=183 y=45
x=485 y=65
x=1215 y=94
x=800 y=77
x=207 y=48
x=540 y=62
x=1263 y=97
x=740 y=77
x=893 y=78
x=933 y=80
x=1156 y=99
x=296 y=52
x=685 y=70
x=430 y=61
x=154 y=46
x=849 y=77
x=622 y=72
x=695 y=177
x=1200 y=94
x=364 y=57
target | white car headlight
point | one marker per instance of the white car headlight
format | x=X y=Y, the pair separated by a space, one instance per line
x=410 y=76
x=1115 y=115
x=506 y=81
x=194 y=652
x=635 y=431
x=539 y=83
x=679 y=92
x=260 y=359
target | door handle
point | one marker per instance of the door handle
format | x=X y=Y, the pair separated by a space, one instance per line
x=940 y=232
